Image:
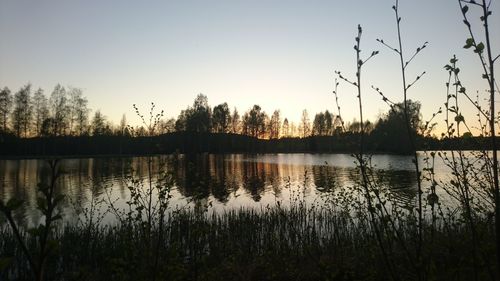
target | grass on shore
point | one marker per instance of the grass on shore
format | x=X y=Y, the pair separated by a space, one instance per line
x=296 y=243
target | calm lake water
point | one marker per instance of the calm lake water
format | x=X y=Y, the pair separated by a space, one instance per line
x=215 y=182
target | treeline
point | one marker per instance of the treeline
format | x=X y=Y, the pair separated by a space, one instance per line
x=176 y=142
x=189 y=142
x=30 y=113
x=33 y=124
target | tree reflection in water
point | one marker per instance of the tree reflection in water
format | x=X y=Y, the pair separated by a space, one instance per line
x=223 y=181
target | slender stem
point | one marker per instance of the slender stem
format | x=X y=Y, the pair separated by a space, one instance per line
x=496 y=58
x=361 y=158
x=491 y=81
x=49 y=218
x=471 y=33
x=410 y=137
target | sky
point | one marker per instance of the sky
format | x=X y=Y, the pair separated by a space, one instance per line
x=275 y=53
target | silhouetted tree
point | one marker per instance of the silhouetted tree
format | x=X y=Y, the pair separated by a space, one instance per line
x=122 y=129
x=245 y=129
x=180 y=123
x=293 y=130
x=139 y=131
x=390 y=132
x=78 y=112
x=329 y=123
x=254 y=122
x=59 y=110
x=235 y=122
x=275 y=125
x=319 y=124
x=305 y=124
x=199 y=117
x=369 y=126
x=99 y=126
x=338 y=125
x=265 y=130
x=323 y=124
x=22 y=113
x=355 y=126
x=5 y=106
x=167 y=126
x=40 y=111
x=221 y=118
x=48 y=127
x=285 y=128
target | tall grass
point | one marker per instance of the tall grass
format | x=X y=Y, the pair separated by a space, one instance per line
x=299 y=242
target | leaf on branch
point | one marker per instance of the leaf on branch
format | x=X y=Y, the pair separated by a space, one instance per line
x=459 y=118
x=479 y=48
x=465 y=8
x=469 y=43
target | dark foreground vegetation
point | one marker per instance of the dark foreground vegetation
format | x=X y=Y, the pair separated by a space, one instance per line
x=298 y=243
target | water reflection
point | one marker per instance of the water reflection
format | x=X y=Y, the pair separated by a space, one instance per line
x=224 y=181
x=327 y=179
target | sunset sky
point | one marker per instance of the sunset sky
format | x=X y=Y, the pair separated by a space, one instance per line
x=278 y=54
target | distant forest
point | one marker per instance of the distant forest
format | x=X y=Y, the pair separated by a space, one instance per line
x=32 y=124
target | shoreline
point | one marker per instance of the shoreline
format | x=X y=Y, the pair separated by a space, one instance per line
x=114 y=155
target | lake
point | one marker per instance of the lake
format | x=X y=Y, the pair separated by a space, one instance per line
x=214 y=182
